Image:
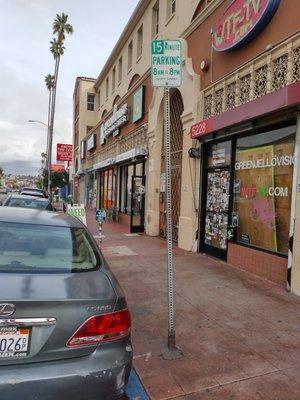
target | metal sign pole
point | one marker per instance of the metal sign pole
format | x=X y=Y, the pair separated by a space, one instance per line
x=171 y=352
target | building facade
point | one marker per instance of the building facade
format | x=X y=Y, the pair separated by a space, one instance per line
x=234 y=133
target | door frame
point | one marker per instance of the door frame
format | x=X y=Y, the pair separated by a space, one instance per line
x=203 y=247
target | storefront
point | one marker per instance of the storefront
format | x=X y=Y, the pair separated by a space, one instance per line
x=132 y=189
x=122 y=188
x=247 y=191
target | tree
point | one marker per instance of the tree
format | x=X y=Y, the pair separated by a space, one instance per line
x=58 y=179
x=49 y=80
x=61 y=28
x=1 y=174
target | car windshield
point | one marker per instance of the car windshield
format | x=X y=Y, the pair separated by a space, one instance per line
x=27 y=203
x=38 y=248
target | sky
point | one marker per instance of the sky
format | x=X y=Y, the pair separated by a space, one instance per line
x=25 y=60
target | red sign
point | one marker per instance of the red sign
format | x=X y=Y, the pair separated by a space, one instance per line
x=241 y=22
x=57 y=167
x=202 y=128
x=64 y=152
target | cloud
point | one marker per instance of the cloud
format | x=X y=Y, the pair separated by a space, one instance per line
x=25 y=29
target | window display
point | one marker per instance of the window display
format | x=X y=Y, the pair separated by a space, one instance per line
x=262 y=188
x=107 y=189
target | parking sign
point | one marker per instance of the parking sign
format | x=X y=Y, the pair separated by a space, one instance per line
x=166 y=63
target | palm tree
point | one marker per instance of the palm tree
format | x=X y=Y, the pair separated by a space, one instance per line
x=60 y=28
x=49 y=80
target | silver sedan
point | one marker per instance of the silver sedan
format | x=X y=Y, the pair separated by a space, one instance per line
x=64 y=321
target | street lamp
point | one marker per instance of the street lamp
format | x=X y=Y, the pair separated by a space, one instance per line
x=48 y=152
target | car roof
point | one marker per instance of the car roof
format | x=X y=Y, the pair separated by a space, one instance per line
x=33 y=192
x=27 y=197
x=37 y=217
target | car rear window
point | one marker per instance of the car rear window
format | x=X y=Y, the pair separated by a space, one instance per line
x=27 y=203
x=38 y=248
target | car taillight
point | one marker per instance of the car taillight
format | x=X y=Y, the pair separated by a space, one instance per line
x=102 y=328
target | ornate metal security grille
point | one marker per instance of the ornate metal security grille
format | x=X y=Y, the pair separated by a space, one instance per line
x=267 y=73
x=176 y=109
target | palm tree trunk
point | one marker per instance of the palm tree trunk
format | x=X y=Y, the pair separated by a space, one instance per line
x=57 y=60
x=48 y=129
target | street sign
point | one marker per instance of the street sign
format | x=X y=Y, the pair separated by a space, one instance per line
x=77 y=211
x=166 y=63
x=64 y=152
x=101 y=215
x=166 y=72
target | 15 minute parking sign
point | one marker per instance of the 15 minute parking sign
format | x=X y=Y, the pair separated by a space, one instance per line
x=166 y=63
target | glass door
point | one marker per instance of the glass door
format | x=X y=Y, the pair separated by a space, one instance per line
x=137 y=203
x=216 y=212
x=216 y=199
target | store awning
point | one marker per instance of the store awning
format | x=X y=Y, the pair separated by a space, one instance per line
x=281 y=99
x=127 y=155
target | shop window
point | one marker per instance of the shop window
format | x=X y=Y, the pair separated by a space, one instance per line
x=107 y=189
x=262 y=189
x=219 y=154
x=90 y=102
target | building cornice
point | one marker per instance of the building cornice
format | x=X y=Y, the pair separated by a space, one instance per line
x=129 y=28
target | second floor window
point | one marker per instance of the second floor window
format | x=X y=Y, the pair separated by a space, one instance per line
x=171 y=4
x=120 y=67
x=155 y=19
x=90 y=102
x=113 y=81
x=106 y=87
x=130 y=56
x=139 y=49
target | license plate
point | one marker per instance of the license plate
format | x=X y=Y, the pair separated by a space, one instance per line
x=14 y=342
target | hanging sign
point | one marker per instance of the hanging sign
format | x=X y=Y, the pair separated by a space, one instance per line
x=64 y=152
x=91 y=142
x=138 y=104
x=241 y=22
x=166 y=63
x=112 y=125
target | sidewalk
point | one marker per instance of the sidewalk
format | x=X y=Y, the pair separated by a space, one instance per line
x=240 y=335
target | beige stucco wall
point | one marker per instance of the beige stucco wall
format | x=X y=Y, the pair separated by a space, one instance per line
x=168 y=28
x=188 y=214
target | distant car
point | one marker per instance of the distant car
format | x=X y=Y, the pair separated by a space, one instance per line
x=26 y=201
x=3 y=191
x=32 y=193
x=35 y=190
x=64 y=321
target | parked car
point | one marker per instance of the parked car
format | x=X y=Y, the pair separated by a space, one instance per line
x=3 y=190
x=32 y=193
x=64 y=321
x=35 y=190
x=26 y=201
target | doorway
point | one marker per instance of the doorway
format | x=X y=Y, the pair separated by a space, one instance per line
x=216 y=199
x=137 y=215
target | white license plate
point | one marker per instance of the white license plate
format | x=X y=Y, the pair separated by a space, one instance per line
x=14 y=342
